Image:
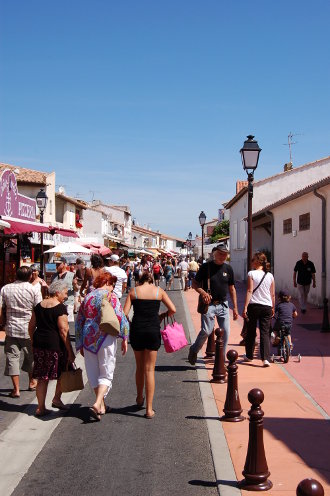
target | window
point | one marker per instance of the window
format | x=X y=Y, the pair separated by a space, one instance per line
x=287 y=226
x=304 y=222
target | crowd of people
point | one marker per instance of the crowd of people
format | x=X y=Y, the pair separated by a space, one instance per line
x=36 y=317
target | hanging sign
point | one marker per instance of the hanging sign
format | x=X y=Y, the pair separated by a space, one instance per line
x=12 y=203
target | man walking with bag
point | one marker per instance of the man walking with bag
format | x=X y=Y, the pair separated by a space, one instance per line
x=212 y=282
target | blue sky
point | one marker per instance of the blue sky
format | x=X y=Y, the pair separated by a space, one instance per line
x=147 y=103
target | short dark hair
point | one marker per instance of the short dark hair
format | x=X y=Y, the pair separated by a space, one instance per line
x=24 y=273
x=96 y=261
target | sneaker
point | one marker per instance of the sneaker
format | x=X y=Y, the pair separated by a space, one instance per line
x=266 y=363
x=192 y=357
x=247 y=359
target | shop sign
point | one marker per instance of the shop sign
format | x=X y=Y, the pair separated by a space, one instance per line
x=12 y=203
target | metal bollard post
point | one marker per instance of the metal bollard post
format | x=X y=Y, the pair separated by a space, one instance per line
x=309 y=487
x=232 y=407
x=256 y=471
x=325 y=323
x=219 y=369
x=210 y=347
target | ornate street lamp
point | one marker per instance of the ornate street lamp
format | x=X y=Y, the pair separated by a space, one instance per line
x=202 y=220
x=115 y=231
x=145 y=243
x=42 y=200
x=134 y=241
x=250 y=156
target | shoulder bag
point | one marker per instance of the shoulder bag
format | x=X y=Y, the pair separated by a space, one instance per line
x=71 y=379
x=109 y=323
x=203 y=307
x=174 y=337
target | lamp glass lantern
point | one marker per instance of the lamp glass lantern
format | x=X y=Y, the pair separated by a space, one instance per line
x=134 y=239
x=42 y=200
x=190 y=236
x=115 y=231
x=250 y=154
x=202 y=218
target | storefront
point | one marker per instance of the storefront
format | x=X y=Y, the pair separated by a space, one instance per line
x=20 y=237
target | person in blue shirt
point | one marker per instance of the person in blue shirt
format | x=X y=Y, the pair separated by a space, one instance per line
x=285 y=312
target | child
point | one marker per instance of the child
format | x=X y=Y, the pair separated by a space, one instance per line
x=285 y=312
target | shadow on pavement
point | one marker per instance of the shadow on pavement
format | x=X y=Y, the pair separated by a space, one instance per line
x=312 y=447
x=204 y=483
x=173 y=368
x=199 y=417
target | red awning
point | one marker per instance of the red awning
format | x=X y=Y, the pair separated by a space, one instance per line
x=63 y=232
x=21 y=227
x=18 y=226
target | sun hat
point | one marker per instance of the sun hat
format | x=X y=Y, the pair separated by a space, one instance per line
x=114 y=258
x=222 y=247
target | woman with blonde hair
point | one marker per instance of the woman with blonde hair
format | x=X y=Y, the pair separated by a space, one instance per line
x=145 y=335
x=259 y=307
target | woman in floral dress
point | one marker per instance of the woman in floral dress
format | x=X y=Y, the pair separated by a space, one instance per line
x=98 y=348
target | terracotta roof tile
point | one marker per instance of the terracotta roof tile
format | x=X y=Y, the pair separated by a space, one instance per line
x=24 y=175
x=240 y=185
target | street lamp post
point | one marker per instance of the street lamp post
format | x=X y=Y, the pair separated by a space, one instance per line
x=134 y=241
x=189 y=241
x=202 y=220
x=250 y=156
x=42 y=200
x=145 y=243
x=115 y=231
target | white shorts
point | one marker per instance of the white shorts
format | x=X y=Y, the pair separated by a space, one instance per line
x=101 y=366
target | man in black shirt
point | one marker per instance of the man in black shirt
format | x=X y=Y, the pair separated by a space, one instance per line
x=221 y=277
x=305 y=270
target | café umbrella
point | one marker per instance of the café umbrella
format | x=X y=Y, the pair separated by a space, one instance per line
x=68 y=248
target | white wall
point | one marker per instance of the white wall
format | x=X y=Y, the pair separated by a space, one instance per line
x=238 y=238
x=288 y=248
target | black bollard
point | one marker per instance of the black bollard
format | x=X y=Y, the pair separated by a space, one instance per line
x=325 y=323
x=219 y=369
x=309 y=487
x=210 y=347
x=256 y=471
x=232 y=407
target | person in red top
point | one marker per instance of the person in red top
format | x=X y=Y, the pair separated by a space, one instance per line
x=157 y=272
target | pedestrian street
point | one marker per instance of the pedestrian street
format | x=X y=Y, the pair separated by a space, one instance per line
x=124 y=454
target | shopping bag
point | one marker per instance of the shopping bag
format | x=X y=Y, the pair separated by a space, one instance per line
x=109 y=323
x=71 y=380
x=174 y=337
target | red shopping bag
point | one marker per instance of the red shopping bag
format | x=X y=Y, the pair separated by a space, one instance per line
x=174 y=337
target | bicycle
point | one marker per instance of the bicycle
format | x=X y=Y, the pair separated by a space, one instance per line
x=283 y=344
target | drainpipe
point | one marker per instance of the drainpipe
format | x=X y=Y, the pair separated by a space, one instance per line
x=325 y=324
x=270 y=214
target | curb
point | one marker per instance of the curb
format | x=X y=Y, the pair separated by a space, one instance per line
x=226 y=479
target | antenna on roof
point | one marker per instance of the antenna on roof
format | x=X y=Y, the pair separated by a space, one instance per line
x=290 y=143
x=93 y=193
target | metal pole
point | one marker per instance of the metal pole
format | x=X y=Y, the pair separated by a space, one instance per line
x=250 y=196
x=42 y=247
x=202 y=243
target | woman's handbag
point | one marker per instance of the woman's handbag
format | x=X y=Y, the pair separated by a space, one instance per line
x=71 y=380
x=203 y=307
x=109 y=323
x=174 y=337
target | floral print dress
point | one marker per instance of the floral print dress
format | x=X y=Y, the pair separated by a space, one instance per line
x=88 y=335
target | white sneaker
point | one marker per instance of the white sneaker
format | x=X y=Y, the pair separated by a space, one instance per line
x=266 y=363
x=246 y=359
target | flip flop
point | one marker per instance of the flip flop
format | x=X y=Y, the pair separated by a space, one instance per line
x=60 y=406
x=149 y=417
x=14 y=395
x=107 y=410
x=43 y=414
x=93 y=413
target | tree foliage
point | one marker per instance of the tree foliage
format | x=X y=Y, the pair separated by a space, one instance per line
x=220 y=231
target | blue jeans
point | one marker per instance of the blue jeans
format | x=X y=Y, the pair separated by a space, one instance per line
x=221 y=313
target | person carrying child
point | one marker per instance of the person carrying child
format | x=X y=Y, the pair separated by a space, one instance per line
x=285 y=312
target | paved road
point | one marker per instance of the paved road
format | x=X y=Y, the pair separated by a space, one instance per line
x=126 y=454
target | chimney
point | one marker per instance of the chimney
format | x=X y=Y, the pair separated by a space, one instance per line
x=288 y=167
x=240 y=185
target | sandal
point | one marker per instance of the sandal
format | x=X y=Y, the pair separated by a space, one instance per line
x=140 y=405
x=95 y=414
x=12 y=394
x=60 y=405
x=149 y=417
x=107 y=410
x=43 y=413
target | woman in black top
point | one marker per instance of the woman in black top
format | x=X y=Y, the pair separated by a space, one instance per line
x=49 y=333
x=145 y=335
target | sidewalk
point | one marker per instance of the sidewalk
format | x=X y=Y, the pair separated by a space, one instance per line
x=296 y=405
